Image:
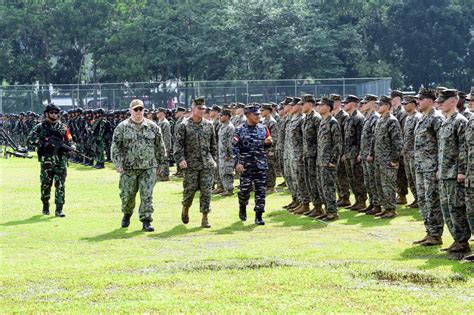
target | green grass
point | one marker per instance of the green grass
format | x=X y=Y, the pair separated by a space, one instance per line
x=85 y=263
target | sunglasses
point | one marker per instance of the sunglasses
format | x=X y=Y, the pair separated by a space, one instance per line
x=54 y=113
x=138 y=109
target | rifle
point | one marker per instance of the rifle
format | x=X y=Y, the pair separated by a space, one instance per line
x=17 y=150
x=58 y=144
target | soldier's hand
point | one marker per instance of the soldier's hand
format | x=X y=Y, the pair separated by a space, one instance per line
x=268 y=140
x=461 y=178
x=359 y=158
x=370 y=158
x=343 y=157
x=393 y=164
x=239 y=168
x=183 y=164
x=331 y=165
x=271 y=154
x=119 y=169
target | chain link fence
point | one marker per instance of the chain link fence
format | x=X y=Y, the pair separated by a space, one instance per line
x=17 y=98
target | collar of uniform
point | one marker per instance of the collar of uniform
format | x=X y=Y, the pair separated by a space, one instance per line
x=145 y=122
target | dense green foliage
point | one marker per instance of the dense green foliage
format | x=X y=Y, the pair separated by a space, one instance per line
x=416 y=42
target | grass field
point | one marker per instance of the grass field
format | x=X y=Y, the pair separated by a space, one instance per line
x=85 y=263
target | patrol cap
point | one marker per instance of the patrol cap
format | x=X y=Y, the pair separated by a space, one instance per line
x=426 y=93
x=385 y=99
x=296 y=101
x=470 y=96
x=254 y=109
x=287 y=100
x=274 y=105
x=409 y=99
x=370 y=98
x=267 y=106
x=335 y=97
x=327 y=101
x=136 y=103
x=240 y=105
x=396 y=93
x=199 y=101
x=180 y=109
x=308 y=98
x=161 y=110
x=351 y=98
x=216 y=108
x=225 y=111
x=446 y=94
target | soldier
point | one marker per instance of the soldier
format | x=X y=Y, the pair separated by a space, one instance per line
x=251 y=162
x=387 y=150
x=469 y=181
x=99 y=128
x=226 y=157
x=310 y=127
x=452 y=170
x=286 y=144
x=329 y=151
x=137 y=152
x=283 y=113
x=165 y=127
x=461 y=105
x=53 y=160
x=88 y=138
x=342 y=181
x=179 y=117
x=195 y=153
x=239 y=118
x=366 y=153
x=408 y=151
x=215 y=119
x=271 y=124
x=351 y=147
x=399 y=112
x=426 y=167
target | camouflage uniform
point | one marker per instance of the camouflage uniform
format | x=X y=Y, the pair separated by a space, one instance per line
x=281 y=144
x=99 y=132
x=272 y=125
x=469 y=181
x=352 y=134
x=452 y=161
x=426 y=166
x=402 y=181
x=166 y=132
x=196 y=144
x=342 y=179
x=387 y=148
x=408 y=150
x=329 y=151
x=311 y=124
x=287 y=159
x=226 y=156
x=139 y=150
x=367 y=149
x=295 y=140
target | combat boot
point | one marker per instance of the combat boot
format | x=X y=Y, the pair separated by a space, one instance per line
x=432 y=241
x=460 y=247
x=414 y=204
x=218 y=191
x=59 y=211
x=99 y=166
x=389 y=214
x=126 y=220
x=401 y=200
x=185 y=215
x=147 y=226
x=317 y=211
x=163 y=178
x=447 y=249
x=282 y=184
x=258 y=218
x=343 y=202
x=331 y=217
x=375 y=210
x=297 y=204
x=242 y=213
x=290 y=205
x=359 y=205
x=227 y=193
x=205 y=222
x=370 y=207
x=303 y=208
x=380 y=214
x=46 y=208
x=321 y=216
x=421 y=241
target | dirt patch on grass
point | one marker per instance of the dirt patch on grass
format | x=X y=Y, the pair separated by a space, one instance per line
x=415 y=277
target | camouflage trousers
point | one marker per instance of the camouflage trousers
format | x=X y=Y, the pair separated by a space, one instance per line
x=402 y=182
x=226 y=176
x=53 y=169
x=132 y=181
x=342 y=181
x=453 y=205
x=427 y=189
x=470 y=207
x=298 y=180
x=271 y=171
x=327 y=187
x=100 y=152
x=370 y=183
x=287 y=174
x=217 y=176
x=409 y=160
x=195 y=180
x=165 y=169
x=311 y=178
x=355 y=174
x=279 y=163
x=386 y=183
x=257 y=178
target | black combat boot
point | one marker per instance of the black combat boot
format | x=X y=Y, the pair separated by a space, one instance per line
x=242 y=213
x=46 y=208
x=126 y=220
x=99 y=165
x=59 y=211
x=147 y=226
x=258 y=218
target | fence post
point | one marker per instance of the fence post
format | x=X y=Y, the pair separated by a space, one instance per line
x=247 y=86
x=343 y=87
x=296 y=88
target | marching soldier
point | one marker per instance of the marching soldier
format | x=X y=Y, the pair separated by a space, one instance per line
x=226 y=157
x=270 y=122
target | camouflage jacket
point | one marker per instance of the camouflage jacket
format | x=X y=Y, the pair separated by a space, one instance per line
x=224 y=144
x=99 y=129
x=311 y=124
x=469 y=151
x=287 y=144
x=409 y=133
x=238 y=120
x=329 y=142
x=368 y=135
x=426 y=141
x=272 y=125
x=451 y=152
x=401 y=116
x=138 y=147
x=352 y=134
x=281 y=133
x=388 y=140
x=196 y=144
x=42 y=131
x=249 y=146
x=341 y=118
x=295 y=133
x=166 y=132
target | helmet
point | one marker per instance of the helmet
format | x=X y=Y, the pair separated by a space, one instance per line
x=51 y=107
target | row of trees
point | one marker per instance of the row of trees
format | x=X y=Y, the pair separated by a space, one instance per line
x=416 y=42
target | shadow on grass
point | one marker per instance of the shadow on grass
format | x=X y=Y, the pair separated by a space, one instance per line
x=348 y=217
x=434 y=258
x=404 y=211
x=290 y=220
x=34 y=219
x=237 y=226
x=180 y=229
x=116 y=234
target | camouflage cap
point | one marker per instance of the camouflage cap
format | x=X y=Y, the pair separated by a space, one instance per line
x=267 y=106
x=470 y=96
x=446 y=94
x=136 y=103
x=254 y=109
x=161 y=110
x=335 y=97
x=409 y=99
x=308 y=98
x=385 y=99
x=240 y=105
x=199 y=101
x=288 y=100
x=327 y=101
x=216 y=108
x=225 y=111
x=396 y=93
x=296 y=101
x=180 y=109
x=274 y=105
x=370 y=97
x=426 y=93
x=351 y=98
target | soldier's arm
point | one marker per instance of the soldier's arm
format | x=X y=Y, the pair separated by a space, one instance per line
x=116 y=148
x=33 y=137
x=228 y=142
x=396 y=141
x=160 y=149
x=236 y=147
x=179 y=145
x=213 y=144
x=336 y=139
x=461 y=132
x=167 y=137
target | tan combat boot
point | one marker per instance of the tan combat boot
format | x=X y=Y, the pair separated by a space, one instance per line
x=460 y=247
x=432 y=241
x=295 y=206
x=317 y=211
x=401 y=200
x=375 y=210
x=343 y=202
x=421 y=241
x=303 y=208
x=331 y=217
x=360 y=205
x=205 y=222
x=185 y=215
x=290 y=205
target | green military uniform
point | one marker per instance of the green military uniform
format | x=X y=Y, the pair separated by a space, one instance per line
x=165 y=127
x=342 y=179
x=271 y=125
x=226 y=156
x=402 y=181
x=99 y=128
x=469 y=181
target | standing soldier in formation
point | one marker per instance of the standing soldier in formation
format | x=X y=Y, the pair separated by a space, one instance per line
x=408 y=151
x=226 y=156
x=239 y=118
x=351 y=148
x=271 y=124
x=53 y=160
x=249 y=144
x=329 y=151
x=281 y=138
x=399 y=112
x=99 y=128
x=137 y=152
x=452 y=171
x=387 y=150
x=426 y=167
x=165 y=127
x=469 y=181
x=342 y=180
x=286 y=155
x=195 y=153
